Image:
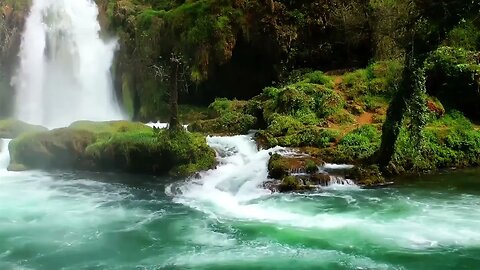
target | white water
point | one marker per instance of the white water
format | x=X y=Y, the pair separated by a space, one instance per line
x=234 y=191
x=4 y=155
x=64 y=73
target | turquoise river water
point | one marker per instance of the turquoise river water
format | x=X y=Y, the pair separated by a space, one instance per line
x=225 y=220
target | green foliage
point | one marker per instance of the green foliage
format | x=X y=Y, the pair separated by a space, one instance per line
x=223 y=105
x=289 y=183
x=277 y=167
x=378 y=79
x=466 y=35
x=367 y=175
x=282 y=125
x=361 y=143
x=451 y=141
x=311 y=166
x=226 y=123
x=452 y=77
x=113 y=146
x=342 y=118
x=318 y=77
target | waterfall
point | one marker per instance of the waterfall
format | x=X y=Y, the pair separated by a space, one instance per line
x=4 y=154
x=341 y=181
x=64 y=72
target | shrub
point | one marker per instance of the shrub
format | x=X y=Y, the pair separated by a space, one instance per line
x=361 y=143
x=318 y=77
x=227 y=123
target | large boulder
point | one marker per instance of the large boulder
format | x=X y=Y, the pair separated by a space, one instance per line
x=11 y=128
x=57 y=149
x=280 y=166
x=113 y=146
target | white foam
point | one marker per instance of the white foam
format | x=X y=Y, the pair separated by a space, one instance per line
x=161 y=125
x=64 y=72
x=4 y=155
x=234 y=191
x=331 y=166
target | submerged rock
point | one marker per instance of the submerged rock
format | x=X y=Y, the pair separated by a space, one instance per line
x=113 y=146
x=12 y=128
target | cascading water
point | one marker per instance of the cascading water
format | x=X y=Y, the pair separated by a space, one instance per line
x=235 y=189
x=64 y=72
x=4 y=154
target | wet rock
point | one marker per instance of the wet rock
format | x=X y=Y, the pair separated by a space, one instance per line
x=11 y=128
x=280 y=166
x=367 y=176
x=319 y=179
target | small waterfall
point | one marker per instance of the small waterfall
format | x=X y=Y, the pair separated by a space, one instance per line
x=64 y=73
x=340 y=181
x=4 y=154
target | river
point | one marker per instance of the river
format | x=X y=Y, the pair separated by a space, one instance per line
x=225 y=220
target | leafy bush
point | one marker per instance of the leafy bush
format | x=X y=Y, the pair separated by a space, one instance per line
x=361 y=143
x=227 y=123
x=318 y=77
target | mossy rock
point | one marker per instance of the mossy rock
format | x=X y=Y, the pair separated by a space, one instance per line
x=177 y=153
x=11 y=128
x=57 y=149
x=367 y=176
x=229 y=123
x=289 y=183
x=113 y=146
x=110 y=126
x=280 y=166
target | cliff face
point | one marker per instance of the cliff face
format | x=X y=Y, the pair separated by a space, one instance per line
x=233 y=48
x=12 y=19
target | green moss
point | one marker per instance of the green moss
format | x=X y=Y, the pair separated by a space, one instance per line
x=178 y=153
x=378 y=79
x=113 y=146
x=110 y=127
x=311 y=166
x=223 y=105
x=451 y=141
x=11 y=128
x=289 y=183
x=277 y=167
x=60 y=149
x=465 y=35
x=318 y=77
x=367 y=175
x=127 y=95
x=227 y=123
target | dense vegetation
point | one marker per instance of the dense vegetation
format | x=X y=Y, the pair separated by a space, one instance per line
x=393 y=83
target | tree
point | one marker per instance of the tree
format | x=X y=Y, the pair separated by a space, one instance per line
x=431 y=22
x=175 y=74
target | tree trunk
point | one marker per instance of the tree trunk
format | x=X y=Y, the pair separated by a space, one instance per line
x=174 y=123
x=397 y=110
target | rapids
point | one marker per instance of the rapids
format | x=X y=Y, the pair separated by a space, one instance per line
x=225 y=220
